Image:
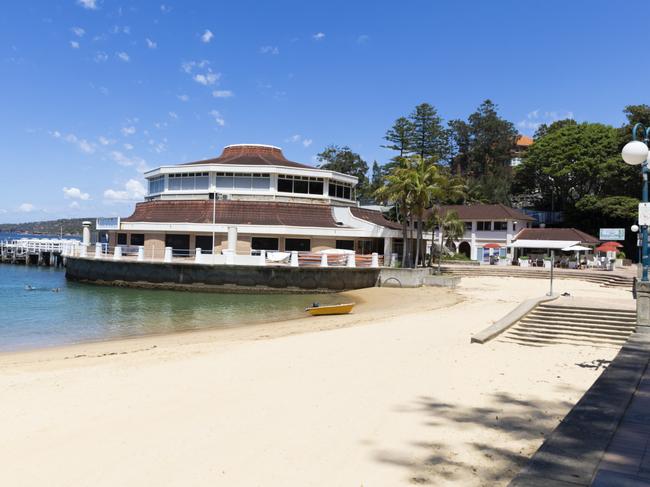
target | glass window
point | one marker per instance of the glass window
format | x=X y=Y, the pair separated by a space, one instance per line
x=345 y=244
x=203 y=242
x=332 y=189
x=157 y=185
x=484 y=226
x=300 y=186
x=224 y=181
x=242 y=182
x=299 y=244
x=315 y=187
x=264 y=243
x=137 y=239
x=174 y=183
x=346 y=192
x=187 y=183
x=500 y=225
x=468 y=226
x=202 y=181
x=285 y=185
x=121 y=239
x=262 y=182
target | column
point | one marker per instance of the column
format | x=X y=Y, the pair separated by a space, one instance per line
x=98 y=250
x=232 y=238
x=262 y=257
x=352 y=260
x=140 y=253
x=168 y=254
x=117 y=253
x=388 y=250
x=375 y=260
x=323 y=260
x=294 y=258
x=197 y=255
x=473 y=255
x=86 y=233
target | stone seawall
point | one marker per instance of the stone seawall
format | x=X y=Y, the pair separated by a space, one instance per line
x=223 y=278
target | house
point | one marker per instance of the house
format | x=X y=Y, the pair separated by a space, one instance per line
x=540 y=241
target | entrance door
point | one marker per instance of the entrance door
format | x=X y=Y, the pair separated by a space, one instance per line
x=465 y=248
x=179 y=243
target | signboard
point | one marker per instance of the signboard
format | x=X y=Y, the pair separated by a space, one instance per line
x=644 y=214
x=612 y=234
x=108 y=223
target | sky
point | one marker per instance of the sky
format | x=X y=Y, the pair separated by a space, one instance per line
x=95 y=92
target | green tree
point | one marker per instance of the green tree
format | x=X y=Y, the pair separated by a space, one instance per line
x=400 y=137
x=450 y=228
x=430 y=139
x=344 y=160
x=545 y=129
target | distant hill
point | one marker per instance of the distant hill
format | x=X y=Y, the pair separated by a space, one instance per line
x=67 y=226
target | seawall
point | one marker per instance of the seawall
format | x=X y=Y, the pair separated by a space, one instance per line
x=222 y=278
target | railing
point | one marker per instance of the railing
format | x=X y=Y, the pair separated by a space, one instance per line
x=226 y=257
x=32 y=246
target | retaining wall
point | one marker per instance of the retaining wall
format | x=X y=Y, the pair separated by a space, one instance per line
x=222 y=278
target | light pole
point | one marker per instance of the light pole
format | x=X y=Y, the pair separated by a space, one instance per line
x=635 y=153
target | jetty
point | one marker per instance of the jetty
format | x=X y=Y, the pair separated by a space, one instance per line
x=38 y=251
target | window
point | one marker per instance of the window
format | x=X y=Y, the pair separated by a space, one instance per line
x=157 y=185
x=244 y=182
x=484 y=226
x=121 y=239
x=299 y=244
x=189 y=181
x=137 y=239
x=340 y=190
x=300 y=184
x=468 y=226
x=345 y=244
x=180 y=244
x=500 y=225
x=264 y=243
x=285 y=185
x=203 y=242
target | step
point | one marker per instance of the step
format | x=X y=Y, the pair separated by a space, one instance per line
x=574 y=330
x=542 y=343
x=573 y=323
x=576 y=318
x=584 y=309
x=565 y=333
x=567 y=337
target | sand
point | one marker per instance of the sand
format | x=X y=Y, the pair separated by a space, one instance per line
x=392 y=395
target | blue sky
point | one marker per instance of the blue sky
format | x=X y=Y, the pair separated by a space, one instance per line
x=95 y=92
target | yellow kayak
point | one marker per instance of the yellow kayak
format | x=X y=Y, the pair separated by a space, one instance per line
x=335 y=309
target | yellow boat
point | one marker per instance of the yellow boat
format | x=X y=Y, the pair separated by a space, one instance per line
x=334 y=309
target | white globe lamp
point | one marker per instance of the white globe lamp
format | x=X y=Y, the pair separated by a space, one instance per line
x=634 y=228
x=635 y=153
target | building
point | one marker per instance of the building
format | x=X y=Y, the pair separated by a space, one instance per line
x=538 y=242
x=248 y=199
x=522 y=143
x=487 y=224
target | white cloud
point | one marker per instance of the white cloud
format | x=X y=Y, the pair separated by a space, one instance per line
x=207 y=36
x=133 y=190
x=165 y=9
x=363 y=38
x=26 y=208
x=74 y=205
x=3 y=211
x=222 y=93
x=206 y=79
x=103 y=140
x=86 y=146
x=307 y=142
x=218 y=118
x=318 y=36
x=75 y=194
x=82 y=144
x=123 y=56
x=151 y=44
x=129 y=161
x=183 y=97
x=126 y=131
x=78 y=31
x=269 y=50
x=89 y=4
x=297 y=138
x=74 y=44
x=536 y=118
x=128 y=146
x=173 y=114
x=100 y=57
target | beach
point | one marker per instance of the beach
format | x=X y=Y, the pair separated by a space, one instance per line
x=394 y=394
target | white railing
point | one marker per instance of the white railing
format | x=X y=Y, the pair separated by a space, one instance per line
x=32 y=246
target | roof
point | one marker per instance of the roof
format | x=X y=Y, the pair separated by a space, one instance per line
x=523 y=140
x=486 y=212
x=375 y=217
x=557 y=234
x=251 y=155
x=233 y=212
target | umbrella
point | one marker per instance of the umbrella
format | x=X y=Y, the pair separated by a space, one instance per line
x=606 y=248
x=492 y=246
x=612 y=244
x=576 y=248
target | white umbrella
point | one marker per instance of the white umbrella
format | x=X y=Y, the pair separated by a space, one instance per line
x=576 y=248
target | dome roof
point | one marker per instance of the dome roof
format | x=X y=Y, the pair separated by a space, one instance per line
x=252 y=155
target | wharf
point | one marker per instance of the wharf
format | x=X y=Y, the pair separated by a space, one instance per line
x=37 y=251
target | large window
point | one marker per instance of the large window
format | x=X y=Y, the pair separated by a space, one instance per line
x=137 y=239
x=264 y=243
x=299 y=184
x=157 y=185
x=203 y=242
x=299 y=244
x=345 y=244
x=468 y=226
x=484 y=226
x=246 y=182
x=189 y=181
x=500 y=226
x=121 y=239
x=340 y=190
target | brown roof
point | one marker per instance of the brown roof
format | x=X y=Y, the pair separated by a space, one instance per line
x=568 y=234
x=232 y=212
x=486 y=212
x=524 y=140
x=375 y=217
x=251 y=155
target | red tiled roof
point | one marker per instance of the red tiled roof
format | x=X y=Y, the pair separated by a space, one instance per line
x=486 y=212
x=568 y=234
x=251 y=155
x=231 y=212
x=375 y=217
x=524 y=140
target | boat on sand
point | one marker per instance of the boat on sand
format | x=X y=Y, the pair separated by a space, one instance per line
x=334 y=309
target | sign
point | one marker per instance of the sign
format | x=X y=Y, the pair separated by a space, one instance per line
x=644 y=214
x=612 y=234
x=108 y=223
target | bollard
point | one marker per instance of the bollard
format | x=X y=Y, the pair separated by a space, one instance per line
x=197 y=256
x=352 y=260
x=83 y=252
x=375 y=260
x=117 y=253
x=323 y=260
x=140 y=253
x=98 y=250
x=168 y=254
x=262 y=257
x=294 y=258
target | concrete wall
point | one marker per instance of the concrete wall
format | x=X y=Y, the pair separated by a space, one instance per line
x=318 y=244
x=154 y=245
x=397 y=277
x=236 y=279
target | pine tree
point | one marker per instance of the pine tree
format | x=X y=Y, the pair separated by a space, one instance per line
x=430 y=139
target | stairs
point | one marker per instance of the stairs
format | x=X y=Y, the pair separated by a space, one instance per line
x=550 y=324
x=604 y=278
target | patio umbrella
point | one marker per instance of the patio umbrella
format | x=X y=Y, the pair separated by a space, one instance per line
x=576 y=248
x=606 y=247
x=492 y=246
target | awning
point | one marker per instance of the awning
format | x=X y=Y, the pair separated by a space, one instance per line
x=542 y=244
x=576 y=248
x=492 y=246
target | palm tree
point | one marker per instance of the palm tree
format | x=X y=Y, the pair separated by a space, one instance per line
x=450 y=227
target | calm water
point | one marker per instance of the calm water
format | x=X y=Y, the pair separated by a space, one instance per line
x=85 y=312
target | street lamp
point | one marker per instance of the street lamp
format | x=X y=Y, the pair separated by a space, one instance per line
x=635 y=153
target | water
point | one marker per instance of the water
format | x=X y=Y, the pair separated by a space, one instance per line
x=86 y=312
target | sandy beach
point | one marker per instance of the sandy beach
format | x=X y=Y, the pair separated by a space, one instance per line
x=391 y=395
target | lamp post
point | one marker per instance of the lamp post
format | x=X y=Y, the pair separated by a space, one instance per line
x=635 y=153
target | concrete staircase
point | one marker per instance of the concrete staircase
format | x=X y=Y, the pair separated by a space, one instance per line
x=604 y=278
x=550 y=324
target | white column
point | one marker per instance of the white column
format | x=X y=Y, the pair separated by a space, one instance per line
x=232 y=238
x=388 y=250
x=262 y=257
x=197 y=256
x=509 y=233
x=375 y=260
x=83 y=251
x=473 y=255
x=86 y=233
x=323 y=260
x=117 y=253
x=98 y=250
x=168 y=254
x=352 y=260
x=294 y=258
x=230 y=256
x=140 y=253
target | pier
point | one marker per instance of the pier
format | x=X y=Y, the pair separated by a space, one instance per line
x=38 y=251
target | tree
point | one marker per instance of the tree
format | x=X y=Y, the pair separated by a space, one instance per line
x=377 y=178
x=430 y=140
x=484 y=143
x=343 y=160
x=450 y=228
x=400 y=136
x=545 y=129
